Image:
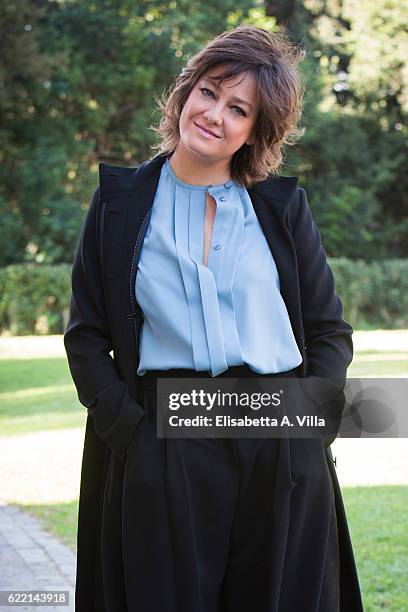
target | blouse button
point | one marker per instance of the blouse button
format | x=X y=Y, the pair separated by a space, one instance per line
x=217 y=247
x=223 y=198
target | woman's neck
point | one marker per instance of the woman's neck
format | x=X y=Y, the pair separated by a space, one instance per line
x=190 y=170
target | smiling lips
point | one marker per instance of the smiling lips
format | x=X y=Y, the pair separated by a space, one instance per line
x=205 y=131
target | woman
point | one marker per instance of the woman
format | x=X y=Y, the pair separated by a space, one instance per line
x=204 y=262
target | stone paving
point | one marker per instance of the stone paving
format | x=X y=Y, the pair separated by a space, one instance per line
x=32 y=559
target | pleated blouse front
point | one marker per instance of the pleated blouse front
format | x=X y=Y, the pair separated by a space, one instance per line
x=209 y=317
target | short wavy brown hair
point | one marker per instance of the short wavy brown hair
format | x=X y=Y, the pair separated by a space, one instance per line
x=272 y=58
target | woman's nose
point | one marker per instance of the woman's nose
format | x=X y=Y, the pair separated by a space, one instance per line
x=214 y=115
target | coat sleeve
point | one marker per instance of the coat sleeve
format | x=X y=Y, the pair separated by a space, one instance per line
x=329 y=348
x=88 y=343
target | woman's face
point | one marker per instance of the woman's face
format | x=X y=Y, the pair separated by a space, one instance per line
x=227 y=109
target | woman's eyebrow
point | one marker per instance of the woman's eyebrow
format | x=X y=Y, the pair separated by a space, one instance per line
x=233 y=98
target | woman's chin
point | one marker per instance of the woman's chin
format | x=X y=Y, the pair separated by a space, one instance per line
x=198 y=146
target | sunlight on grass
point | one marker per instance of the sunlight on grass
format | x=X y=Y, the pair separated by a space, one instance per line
x=34 y=392
x=17 y=374
x=14 y=426
x=38 y=394
x=377 y=522
x=377 y=363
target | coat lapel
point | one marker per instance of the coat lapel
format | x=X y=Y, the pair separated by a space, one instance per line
x=128 y=194
x=270 y=200
x=142 y=192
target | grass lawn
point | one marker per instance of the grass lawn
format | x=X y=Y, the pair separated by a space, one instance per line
x=377 y=519
x=377 y=363
x=38 y=394
x=377 y=523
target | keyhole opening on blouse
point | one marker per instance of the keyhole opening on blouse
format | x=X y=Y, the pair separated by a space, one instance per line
x=210 y=210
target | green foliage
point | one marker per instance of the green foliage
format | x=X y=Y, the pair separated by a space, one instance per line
x=356 y=184
x=84 y=94
x=34 y=298
x=352 y=159
x=77 y=86
x=373 y=293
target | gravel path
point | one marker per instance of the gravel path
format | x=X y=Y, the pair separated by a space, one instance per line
x=29 y=476
x=371 y=462
x=41 y=467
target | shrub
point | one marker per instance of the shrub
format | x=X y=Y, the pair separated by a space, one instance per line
x=34 y=298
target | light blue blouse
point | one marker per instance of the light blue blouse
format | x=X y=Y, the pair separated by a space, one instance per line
x=208 y=318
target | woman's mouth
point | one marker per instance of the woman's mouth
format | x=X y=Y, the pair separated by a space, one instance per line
x=204 y=132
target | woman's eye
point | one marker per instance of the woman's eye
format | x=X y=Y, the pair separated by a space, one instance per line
x=204 y=89
x=243 y=113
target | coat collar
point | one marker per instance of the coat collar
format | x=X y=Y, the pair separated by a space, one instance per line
x=277 y=189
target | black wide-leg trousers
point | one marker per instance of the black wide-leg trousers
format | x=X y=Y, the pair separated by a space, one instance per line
x=218 y=525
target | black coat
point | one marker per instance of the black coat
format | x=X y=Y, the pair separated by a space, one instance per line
x=104 y=317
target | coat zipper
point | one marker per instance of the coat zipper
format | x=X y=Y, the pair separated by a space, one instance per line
x=101 y=255
x=299 y=313
x=101 y=230
x=136 y=314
